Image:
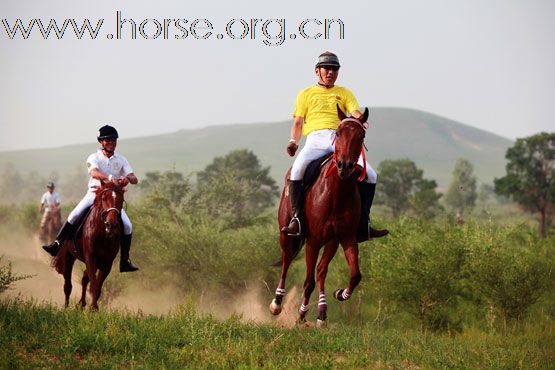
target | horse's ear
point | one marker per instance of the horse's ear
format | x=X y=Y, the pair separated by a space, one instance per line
x=340 y=113
x=364 y=117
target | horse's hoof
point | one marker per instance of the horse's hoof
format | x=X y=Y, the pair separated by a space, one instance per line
x=337 y=294
x=321 y=323
x=275 y=309
x=301 y=321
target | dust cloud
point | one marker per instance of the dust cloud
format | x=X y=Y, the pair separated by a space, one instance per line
x=28 y=258
x=46 y=286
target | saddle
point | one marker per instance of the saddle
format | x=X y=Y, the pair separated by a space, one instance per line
x=313 y=170
x=79 y=230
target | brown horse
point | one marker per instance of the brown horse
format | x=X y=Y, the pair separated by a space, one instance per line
x=98 y=244
x=332 y=213
x=50 y=224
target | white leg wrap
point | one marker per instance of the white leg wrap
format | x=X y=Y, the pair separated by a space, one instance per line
x=280 y=291
x=322 y=300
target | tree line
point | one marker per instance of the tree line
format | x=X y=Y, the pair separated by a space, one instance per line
x=237 y=186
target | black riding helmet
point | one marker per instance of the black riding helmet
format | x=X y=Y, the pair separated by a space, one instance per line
x=107 y=132
x=328 y=59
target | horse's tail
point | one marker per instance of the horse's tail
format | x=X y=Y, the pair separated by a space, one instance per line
x=297 y=246
x=59 y=261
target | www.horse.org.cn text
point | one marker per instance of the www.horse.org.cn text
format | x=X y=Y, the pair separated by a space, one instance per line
x=271 y=31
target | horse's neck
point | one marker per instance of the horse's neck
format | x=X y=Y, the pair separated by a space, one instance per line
x=341 y=188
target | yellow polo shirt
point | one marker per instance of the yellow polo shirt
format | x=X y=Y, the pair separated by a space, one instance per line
x=317 y=105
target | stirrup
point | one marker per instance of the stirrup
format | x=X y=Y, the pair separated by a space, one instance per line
x=299 y=233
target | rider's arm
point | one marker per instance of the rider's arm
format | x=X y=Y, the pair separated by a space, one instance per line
x=297 y=129
x=97 y=174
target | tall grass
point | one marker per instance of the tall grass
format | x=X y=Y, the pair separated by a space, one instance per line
x=37 y=336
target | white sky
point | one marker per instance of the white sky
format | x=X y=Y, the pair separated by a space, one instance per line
x=486 y=63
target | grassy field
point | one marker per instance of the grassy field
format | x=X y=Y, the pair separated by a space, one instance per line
x=434 y=295
x=40 y=336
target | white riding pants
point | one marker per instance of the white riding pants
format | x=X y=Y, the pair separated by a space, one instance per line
x=88 y=201
x=319 y=143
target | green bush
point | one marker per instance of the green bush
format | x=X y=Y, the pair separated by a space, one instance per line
x=513 y=275
x=419 y=269
x=191 y=250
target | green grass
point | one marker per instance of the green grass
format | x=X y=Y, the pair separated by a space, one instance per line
x=40 y=336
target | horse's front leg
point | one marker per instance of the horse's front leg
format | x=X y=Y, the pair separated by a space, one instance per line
x=351 y=254
x=102 y=275
x=84 y=283
x=91 y=273
x=329 y=252
x=310 y=282
x=287 y=251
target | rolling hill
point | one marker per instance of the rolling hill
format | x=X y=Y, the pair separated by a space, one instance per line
x=431 y=141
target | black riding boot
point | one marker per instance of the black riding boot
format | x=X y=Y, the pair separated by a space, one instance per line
x=296 y=196
x=125 y=264
x=65 y=233
x=365 y=231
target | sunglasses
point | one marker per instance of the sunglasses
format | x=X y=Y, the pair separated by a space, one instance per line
x=331 y=68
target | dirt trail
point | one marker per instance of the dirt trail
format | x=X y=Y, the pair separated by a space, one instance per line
x=28 y=258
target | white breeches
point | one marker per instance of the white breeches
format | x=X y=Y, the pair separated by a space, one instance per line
x=86 y=202
x=319 y=143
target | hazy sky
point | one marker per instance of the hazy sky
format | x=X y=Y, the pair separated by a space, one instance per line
x=485 y=63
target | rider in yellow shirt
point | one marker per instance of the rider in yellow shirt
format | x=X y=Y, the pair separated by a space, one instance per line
x=315 y=116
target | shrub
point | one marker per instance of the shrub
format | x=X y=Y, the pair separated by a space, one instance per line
x=420 y=270
x=513 y=275
x=7 y=277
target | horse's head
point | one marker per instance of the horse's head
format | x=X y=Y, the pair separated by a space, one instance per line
x=109 y=199
x=349 y=141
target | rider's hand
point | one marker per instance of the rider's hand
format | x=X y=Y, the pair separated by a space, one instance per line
x=292 y=148
x=123 y=182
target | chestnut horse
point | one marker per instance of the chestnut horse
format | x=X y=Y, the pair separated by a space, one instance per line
x=332 y=214
x=98 y=244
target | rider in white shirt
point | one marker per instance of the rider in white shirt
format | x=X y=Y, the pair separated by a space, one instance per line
x=105 y=165
x=50 y=208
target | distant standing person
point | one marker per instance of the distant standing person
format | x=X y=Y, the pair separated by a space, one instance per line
x=50 y=209
x=103 y=165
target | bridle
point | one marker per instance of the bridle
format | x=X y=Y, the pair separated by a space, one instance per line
x=362 y=152
x=105 y=212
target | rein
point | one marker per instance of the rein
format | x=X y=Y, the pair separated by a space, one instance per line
x=362 y=152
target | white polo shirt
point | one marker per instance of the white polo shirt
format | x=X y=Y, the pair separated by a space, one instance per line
x=49 y=199
x=117 y=166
